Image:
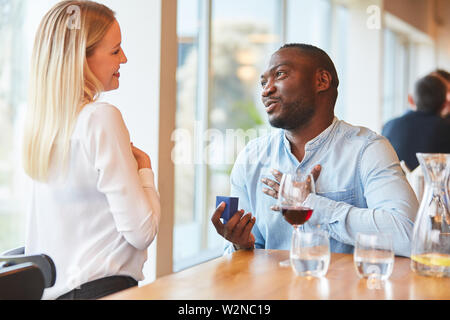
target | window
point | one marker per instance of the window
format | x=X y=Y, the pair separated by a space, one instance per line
x=219 y=110
x=409 y=54
x=224 y=46
x=13 y=74
x=396 y=76
x=187 y=222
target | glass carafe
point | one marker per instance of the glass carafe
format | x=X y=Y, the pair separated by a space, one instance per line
x=430 y=248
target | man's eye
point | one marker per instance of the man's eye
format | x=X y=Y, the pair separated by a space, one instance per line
x=280 y=73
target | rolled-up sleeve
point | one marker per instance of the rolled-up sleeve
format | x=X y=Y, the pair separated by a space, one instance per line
x=391 y=203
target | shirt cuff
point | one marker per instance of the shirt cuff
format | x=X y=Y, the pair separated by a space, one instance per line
x=233 y=248
x=228 y=247
x=323 y=209
x=147 y=178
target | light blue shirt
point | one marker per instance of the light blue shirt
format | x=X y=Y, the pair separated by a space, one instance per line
x=361 y=188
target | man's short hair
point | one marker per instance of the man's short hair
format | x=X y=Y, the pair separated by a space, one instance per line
x=319 y=56
x=430 y=94
x=444 y=74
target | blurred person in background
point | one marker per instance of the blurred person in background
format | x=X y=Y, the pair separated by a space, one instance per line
x=421 y=129
x=445 y=77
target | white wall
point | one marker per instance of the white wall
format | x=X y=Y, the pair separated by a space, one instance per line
x=365 y=65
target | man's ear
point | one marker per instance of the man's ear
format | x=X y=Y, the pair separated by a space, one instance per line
x=323 y=80
x=411 y=102
x=445 y=110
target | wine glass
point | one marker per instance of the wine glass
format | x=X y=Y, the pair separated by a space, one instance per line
x=293 y=192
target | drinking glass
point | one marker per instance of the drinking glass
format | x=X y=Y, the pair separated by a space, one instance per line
x=292 y=194
x=374 y=256
x=310 y=253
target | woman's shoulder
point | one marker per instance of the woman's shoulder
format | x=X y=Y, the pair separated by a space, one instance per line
x=101 y=109
x=99 y=113
x=98 y=117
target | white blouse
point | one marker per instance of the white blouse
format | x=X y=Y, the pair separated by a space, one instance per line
x=97 y=217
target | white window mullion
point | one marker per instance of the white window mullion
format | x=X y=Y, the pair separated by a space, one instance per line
x=201 y=116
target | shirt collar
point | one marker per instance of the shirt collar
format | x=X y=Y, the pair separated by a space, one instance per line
x=317 y=141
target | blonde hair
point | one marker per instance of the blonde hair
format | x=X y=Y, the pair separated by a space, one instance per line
x=61 y=82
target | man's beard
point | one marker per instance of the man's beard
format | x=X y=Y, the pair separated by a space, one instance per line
x=293 y=116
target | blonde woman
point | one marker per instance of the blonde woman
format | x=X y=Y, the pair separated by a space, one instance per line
x=94 y=208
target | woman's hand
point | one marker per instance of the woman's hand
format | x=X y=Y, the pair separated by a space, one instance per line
x=142 y=159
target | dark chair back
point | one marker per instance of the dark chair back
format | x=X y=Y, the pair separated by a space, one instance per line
x=21 y=282
x=43 y=262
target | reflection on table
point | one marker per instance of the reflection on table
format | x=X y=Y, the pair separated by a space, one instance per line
x=256 y=275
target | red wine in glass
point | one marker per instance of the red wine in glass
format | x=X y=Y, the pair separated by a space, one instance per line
x=296 y=215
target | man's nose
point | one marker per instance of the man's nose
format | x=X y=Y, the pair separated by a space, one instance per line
x=268 y=89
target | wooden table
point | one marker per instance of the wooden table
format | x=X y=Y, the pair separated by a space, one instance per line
x=256 y=275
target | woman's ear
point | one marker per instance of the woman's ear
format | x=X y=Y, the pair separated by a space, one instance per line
x=323 y=80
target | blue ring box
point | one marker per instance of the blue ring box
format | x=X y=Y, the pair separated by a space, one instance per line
x=231 y=208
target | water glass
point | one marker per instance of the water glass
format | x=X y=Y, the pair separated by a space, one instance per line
x=374 y=256
x=310 y=252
